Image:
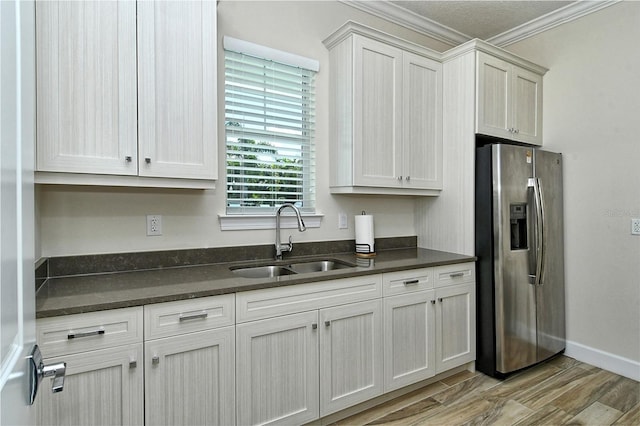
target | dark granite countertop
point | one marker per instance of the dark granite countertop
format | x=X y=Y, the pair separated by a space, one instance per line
x=96 y=292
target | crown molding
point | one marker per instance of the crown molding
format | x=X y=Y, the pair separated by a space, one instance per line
x=403 y=17
x=393 y=13
x=551 y=20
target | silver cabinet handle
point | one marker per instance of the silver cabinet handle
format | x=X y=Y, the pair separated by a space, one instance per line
x=98 y=332
x=133 y=364
x=456 y=275
x=38 y=370
x=155 y=360
x=147 y=160
x=201 y=315
x=327 y=323
x=314 y=326
x=127 y=158
x=408 y=282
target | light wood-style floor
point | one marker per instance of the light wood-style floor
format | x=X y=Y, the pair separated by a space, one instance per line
x=558 y=392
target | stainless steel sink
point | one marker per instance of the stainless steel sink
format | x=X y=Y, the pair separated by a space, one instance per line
x=301 y=267
x=270 y=271
x=319 y=266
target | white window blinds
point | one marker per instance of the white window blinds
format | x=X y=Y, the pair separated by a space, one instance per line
x=269 y=126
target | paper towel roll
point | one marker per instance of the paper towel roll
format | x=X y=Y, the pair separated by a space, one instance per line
x=364 y=234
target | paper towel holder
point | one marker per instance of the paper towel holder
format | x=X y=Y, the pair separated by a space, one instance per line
x=365 y=249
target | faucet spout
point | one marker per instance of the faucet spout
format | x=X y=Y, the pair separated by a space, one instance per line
x=288 y=246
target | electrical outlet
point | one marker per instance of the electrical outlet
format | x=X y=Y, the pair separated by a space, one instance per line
x=635 y=226
x=342 y=221
x=154 y=224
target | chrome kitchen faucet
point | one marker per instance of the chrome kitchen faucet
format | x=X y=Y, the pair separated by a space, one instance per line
x=282 y=247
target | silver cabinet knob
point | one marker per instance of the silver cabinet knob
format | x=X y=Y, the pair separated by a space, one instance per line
x=327 y=323
x=127 y=158
x=408 y=178
x=155 y=360
x=147 y=160
x=399 y=177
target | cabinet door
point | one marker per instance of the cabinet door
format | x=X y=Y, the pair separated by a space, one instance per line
x=103 y=387
x=526 y=108
x=455 y=332
x=409 y=332
x=177 y=89
x=493 y=96
x=422 y=122
x=86 y=87
x=377 y=127
x=277 y=370
x=189 y=379
x=351 y=353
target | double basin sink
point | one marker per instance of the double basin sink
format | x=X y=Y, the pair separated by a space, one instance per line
x=290 y=268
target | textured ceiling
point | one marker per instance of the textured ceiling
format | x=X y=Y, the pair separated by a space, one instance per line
x=479 y=18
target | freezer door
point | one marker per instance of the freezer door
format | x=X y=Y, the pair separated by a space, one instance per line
x=550 y=291
x=515 y=297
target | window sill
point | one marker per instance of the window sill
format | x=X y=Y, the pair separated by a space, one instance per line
x=248 y=222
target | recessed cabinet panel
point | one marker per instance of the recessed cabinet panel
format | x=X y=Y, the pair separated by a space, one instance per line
x=277 y=370
x=177 y=89
x=422 y=122
x=378 y=153
x=86 y=87
x=455 y=316
x=493 y=94
x=351 y=351
x=189 y=379
x=527 y=110
x=101 y=387
x=409 y=350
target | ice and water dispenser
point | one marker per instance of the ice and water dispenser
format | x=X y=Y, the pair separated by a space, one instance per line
x=518 y=220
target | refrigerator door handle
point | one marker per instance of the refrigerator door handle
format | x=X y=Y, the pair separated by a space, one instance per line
x=539 y=225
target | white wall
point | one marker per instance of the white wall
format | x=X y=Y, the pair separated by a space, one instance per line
x=85 y=220
x=592 y=116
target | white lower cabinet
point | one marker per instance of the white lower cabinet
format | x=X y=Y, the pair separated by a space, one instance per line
x=409 y=329
x=456 y=326
x=189 y=379
x=189 y=362
x=102 y=387
x=104 y=372
x=351 y=343
x=277 y=370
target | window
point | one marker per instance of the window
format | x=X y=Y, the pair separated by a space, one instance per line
x=269 y=129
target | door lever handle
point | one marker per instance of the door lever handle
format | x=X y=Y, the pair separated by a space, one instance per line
x=38 y=370
x=57 y=371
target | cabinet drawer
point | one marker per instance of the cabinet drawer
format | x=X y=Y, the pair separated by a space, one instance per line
x=94 y=330
x=259 y=304
x=407 y=281
x=455 y=274
x=187 y=316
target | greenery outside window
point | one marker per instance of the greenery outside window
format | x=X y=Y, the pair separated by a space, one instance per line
x=269 y=129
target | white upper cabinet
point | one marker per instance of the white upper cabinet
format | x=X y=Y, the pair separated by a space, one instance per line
x=86 y=87
x=127 y=92
x=509 y=100
x=177 y=89
x=386 y=114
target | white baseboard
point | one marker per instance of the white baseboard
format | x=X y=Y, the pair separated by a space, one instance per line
x=605 y=360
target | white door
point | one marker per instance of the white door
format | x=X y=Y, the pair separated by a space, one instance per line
x=17 y=127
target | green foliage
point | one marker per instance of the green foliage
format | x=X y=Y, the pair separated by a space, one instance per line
x=267 y=184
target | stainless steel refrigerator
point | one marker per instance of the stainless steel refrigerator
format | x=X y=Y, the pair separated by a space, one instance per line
x=520 y=268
